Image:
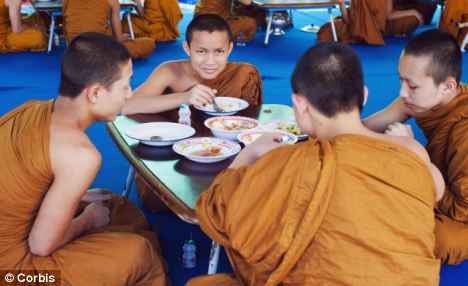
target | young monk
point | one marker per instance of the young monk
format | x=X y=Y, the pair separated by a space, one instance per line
x=342 y=209
x=240 y=16
x=49 y=220
x=157 y=20
x=369 y=20
x=196 y=81
x=94 y=16
x=431 y=92
x=17 y=34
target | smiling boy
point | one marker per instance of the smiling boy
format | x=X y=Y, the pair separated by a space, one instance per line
x=431 y=92
x=197 y=81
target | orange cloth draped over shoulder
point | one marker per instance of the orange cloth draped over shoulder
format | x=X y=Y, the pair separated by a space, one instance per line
x=353 y=210
x=238 y=23
x=81 y=16
x=368 y=22
x=240 y=80
x=447 y=132
x=160 y=22
x=455 y=10
x=29 y=40
x=126 y=252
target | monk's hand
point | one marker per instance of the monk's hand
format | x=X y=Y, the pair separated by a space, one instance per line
x=98 y=214
x=419 y=16
x=399 y=129
x=201 y=95
x=93 y=196
x=264 y=144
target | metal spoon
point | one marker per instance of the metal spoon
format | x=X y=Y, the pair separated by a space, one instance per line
x=155 y=138
x=216 y=106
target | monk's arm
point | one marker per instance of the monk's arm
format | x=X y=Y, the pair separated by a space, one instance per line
x=344 y=11
x=395 y=112
x=74 y=169
x=393 y=14
x=140 y=10
x=252 y=152
x=115 y=20
x=14 y=10
x=245 y=2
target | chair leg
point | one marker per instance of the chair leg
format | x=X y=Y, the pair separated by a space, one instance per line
x=332 y=23
x=129 y=182
x=267 y=32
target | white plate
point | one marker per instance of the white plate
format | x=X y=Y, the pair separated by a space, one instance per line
x=286 y=125
x=248 y=137
x=206 y=149
x=169 y=131
x=230 y=126
x=231 y=105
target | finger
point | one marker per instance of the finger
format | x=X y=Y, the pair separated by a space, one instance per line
x=207 y=90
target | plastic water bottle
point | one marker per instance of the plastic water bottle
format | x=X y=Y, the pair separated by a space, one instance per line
x=189 y=258
x=184 y=114
x=241 y=39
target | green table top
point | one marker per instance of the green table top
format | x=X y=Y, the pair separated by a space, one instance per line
x=176 y=180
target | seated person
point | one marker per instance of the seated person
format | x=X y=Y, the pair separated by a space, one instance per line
x=94 y=16
x=240 y=16
x=342 y=208
x=431 y=92
x=157 y=20
x=49 y=219
x=17 y=34
x=369 y=20
x=196 y=81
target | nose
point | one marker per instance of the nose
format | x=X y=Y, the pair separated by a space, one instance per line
x=210 y=59
x=403 y=91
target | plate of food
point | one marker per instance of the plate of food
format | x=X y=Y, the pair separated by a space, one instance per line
x=230 y=126
x=224 y=106
x=250 y=136
x=159 y=133
x=288 y=126
x=206 y=149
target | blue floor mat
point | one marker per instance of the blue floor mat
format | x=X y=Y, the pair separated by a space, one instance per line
x=25 y=76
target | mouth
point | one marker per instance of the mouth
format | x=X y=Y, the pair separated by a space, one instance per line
x=209 y=71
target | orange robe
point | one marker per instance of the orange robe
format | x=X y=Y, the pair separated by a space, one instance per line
x=240 y=80
x=447 y=132
x=124 y=253
x=455 y=10
x=368 y=22
x=353 y=210
x=28 y=40
x=238 y=22
x=160 y=22
x=81 y=16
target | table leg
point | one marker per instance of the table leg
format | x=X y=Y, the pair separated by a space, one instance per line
x=332 y=23
x=130 y=26
x=51 y=33
x=214 y=258
x=267 y=32
x=129 y=182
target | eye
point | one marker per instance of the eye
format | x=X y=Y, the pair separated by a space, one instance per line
x=220 y=52
x=200 y=52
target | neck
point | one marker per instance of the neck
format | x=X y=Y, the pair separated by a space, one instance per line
x=73 y=112
x=342 y=123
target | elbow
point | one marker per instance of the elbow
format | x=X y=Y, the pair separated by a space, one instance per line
x=38 y=248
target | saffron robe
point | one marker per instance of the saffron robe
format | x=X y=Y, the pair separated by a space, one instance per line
x=447 y=132
x=126 y=252
x=455 y=10
x=353 y=210
x=81 y=16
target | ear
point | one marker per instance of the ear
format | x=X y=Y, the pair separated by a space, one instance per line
x=366 y=96
x=93 y=93
x=186 y=47
x=449 y=86
x=299 y=103
x=231 y=46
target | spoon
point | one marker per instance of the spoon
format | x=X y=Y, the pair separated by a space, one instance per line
x=216 y=106
x=155 y=138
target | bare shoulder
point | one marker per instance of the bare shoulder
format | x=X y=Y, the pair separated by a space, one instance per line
x=168 y=71
x=410 y=144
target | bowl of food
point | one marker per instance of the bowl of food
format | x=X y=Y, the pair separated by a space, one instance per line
x=288 y=126
x=250 y=136
x=230 y=126
x=206 y=149
x=224 y=106
x=159 y=133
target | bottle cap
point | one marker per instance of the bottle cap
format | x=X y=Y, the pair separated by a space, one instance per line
x=184 y=106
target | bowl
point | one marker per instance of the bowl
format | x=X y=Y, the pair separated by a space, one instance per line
x=250 y=136
x=230 y=126
x=206 y=149
x=286 y=125
x=159 y=133
x=230 y=105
